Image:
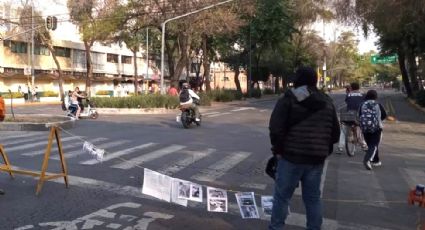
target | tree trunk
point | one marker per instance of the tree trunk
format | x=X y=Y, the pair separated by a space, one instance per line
x=88 y=46
x=404 y=75
x=136 y=82
x=206 y=63
x=170 y=57
x=55 y=59
x=184 y=47
x=411 y=60
x=276 y=85
x=236 y=79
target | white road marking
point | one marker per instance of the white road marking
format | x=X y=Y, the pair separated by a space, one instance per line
x=3 y=138
x=32 y=145
x=181 y=164
x=210 y=113
x=243 y=109
x=131 y=163
x=23 y=140
x=68 y=146
x=220 y=114
x=294 y=219
x=102 y=146
x=254 y=186
x=221 y=167
x=118 y=154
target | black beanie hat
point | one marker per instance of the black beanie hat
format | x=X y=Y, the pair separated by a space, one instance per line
x=305 y=76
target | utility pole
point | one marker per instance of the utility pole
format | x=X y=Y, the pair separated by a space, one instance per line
x=32 y=44
x=147 y=52
x=324 y=56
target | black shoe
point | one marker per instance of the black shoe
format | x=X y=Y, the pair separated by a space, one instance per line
x=1 y=192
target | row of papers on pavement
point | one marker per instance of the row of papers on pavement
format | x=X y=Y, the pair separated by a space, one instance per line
x=180 y=192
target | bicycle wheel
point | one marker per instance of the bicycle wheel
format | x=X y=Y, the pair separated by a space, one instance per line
x=350 y=142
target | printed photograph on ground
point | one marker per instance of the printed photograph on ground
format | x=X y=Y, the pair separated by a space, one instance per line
x=217 y=200
x=247 y=206
x=267 y=205
x=184 y=190
x=196 y=192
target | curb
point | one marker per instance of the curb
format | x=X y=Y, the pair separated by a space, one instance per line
x=64 y=122
x=418 y=107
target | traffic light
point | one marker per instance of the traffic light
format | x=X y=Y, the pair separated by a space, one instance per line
x=51 y=22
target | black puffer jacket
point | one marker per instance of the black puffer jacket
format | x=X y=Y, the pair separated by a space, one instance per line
x=304 y=126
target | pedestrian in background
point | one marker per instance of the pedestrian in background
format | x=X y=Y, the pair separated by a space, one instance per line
x=173 y=91
x=303 y=128
x=371 y=115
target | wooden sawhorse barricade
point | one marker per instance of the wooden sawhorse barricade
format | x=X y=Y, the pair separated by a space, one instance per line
x=43 y=175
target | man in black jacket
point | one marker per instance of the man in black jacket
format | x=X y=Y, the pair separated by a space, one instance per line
x=303 y=128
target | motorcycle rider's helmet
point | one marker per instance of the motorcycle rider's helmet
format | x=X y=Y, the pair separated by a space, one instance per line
x=185 y=85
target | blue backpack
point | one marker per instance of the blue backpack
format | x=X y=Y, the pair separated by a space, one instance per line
x=369 y=120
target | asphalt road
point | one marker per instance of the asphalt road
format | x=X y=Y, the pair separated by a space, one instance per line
x=228 y=151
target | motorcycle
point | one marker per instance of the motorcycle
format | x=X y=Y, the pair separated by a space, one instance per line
x=88 y=112
x=187 y=116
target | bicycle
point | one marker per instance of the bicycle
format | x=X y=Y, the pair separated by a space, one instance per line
x=351 y=129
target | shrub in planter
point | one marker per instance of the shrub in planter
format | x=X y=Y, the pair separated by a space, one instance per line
x=102 y=92
x=268 y=91
x=14 y=94
x=141 y=101
x=420 y=98
x=49 y=94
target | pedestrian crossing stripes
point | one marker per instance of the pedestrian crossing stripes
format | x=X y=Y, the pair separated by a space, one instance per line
x=32 y=145
x=221 y=167
x=25 y=139
x=188 y=160
x=21 y=135
x=148 y=157
x=146 y=152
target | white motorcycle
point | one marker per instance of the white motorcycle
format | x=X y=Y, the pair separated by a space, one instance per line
x=88 y=112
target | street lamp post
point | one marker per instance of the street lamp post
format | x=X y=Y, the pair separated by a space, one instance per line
x=163 y=35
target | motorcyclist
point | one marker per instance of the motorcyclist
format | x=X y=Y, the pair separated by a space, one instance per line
x=74 y=101
x=188 y=97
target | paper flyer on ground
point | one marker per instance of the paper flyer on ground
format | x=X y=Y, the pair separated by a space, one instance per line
x=216 y=200
x=157 y=185
x=247 y=206
x=267 y=205
x=175 y=193
x=183 y=189
x=196 y=192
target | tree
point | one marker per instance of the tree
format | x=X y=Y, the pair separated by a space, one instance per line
x=91 y=17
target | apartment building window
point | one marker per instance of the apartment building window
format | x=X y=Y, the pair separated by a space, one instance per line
x=98 y=60
x=41 y=50
x=126 y=59
x=79 y=59
x=112 y=58
x=62 y=51
x=16 y=47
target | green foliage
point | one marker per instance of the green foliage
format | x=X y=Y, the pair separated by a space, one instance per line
x=103 y=92
x=224 y=95
x=256 y=93
x=14 y=95
x=268 y=91
x=142 y=101
x=420 y=98
x=49 y=94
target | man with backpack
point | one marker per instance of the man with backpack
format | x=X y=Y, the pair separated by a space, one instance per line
x=371 y=115
x=188 y=97
x=303 y=128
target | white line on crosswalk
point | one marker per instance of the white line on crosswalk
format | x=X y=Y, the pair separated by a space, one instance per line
x=242 y=109
x=210 y=113
x=220 y=114
x=221 y=167
x=19 y=136
x=24 y=140
x=181 y=164
x=119 y=153
x=64 y=147
x=78 y=152
x=32 y=145
x=131 y=163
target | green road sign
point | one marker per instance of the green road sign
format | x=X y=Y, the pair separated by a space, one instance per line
x=375 y=59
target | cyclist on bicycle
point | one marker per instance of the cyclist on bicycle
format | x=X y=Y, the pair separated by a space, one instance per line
x=353 y=99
